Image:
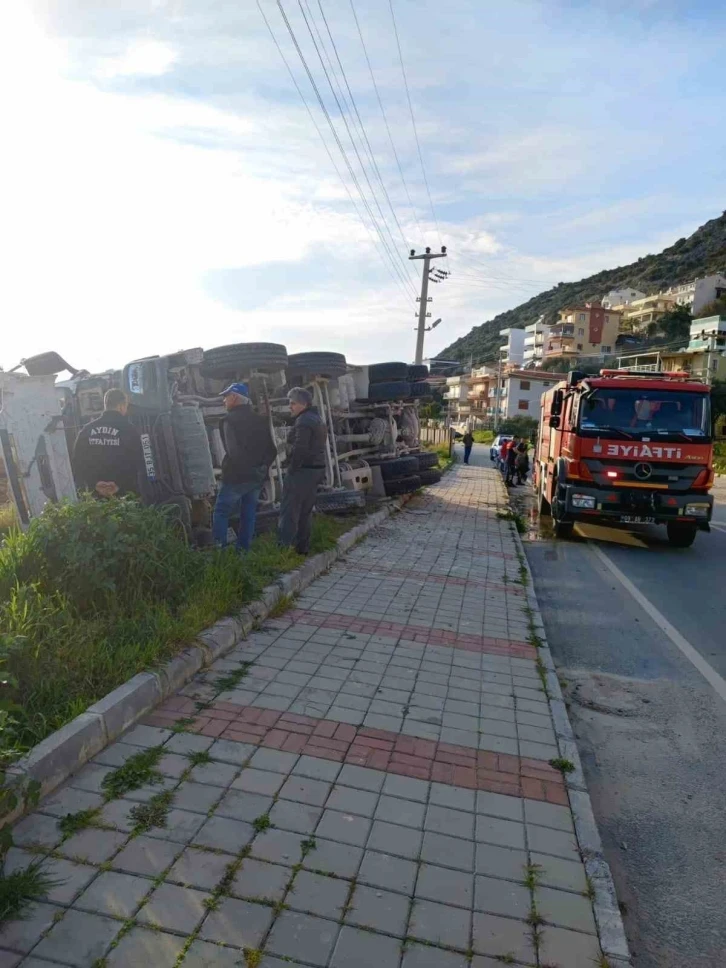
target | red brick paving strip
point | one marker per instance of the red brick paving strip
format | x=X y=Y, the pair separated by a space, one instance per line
x=416 y=633
x=375 y=570
x=377 y=749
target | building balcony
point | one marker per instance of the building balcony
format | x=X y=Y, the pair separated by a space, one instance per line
x=563 y=329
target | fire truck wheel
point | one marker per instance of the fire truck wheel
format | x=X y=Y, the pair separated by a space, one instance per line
x=681 y=535
x=563 y=529
x=543 y=505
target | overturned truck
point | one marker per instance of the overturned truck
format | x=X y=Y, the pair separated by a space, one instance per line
x=371 y=412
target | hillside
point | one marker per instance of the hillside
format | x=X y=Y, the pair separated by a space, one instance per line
x=702 y=254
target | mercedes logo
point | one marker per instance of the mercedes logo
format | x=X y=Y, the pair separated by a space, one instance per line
x=643 y=471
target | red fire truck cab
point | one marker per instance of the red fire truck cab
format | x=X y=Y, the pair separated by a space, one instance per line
x=626 y=447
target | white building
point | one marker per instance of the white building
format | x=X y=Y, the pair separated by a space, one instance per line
x=698 y=293
x=621 y=297
x=457 y=397
x=512 y=351
x=521 y=392
x=535 y=336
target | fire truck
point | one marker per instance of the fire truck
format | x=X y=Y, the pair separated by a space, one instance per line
x=626 y=447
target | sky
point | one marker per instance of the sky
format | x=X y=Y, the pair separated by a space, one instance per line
x=164 y=185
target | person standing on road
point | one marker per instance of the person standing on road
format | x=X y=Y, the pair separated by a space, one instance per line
x=249 y=451
x=521 y=462
x=305 y=471
x=468 y=442
x=509 y=461
x=107 y=456
x=503 y=455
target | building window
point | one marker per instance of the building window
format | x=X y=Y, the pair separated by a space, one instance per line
x=607 y=319
x=523 y=405
x=524 y=384
x=582 y=317
x=579 y=346
x=581 y=332
x=607 y=349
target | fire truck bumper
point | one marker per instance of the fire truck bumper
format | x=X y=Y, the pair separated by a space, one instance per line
x=631 y=506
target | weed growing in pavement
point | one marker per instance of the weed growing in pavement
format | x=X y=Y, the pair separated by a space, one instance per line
x=589 y=891
x=532 y=874
x=199 y=757
x=73 y=823
x=182 y=725
x=603 y=962
x=515 y=517
x=562 y=764
x=542 y=673
x=21 y=888
x=153 y=813
x=231 y=680
x=253 y=957
x=282 y=605
x=262 y=823
x=507 y=959
x=308 y=845
x=137 y=771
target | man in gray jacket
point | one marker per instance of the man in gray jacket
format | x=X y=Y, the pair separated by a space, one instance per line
x=305 y=471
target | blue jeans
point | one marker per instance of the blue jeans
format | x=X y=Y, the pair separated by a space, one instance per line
x=467 y=453
x=234 y=498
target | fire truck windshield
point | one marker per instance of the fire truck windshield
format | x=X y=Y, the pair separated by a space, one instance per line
x=635 y=412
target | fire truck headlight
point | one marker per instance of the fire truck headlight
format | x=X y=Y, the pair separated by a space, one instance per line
x=583 y=501
x=697 y=509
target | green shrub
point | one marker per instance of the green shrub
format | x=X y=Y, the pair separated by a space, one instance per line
x=483 y=436
x=98 y=591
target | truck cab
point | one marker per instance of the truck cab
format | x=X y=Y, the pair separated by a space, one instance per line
x=625 y=447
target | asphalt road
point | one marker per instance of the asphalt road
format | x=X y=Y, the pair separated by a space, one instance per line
x=651 y=729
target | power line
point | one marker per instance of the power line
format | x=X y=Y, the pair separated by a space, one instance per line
x=413 y=120
x=392 y=266
x=385 y=119
x=362 y=128
x=325 y=144
x=392 y=252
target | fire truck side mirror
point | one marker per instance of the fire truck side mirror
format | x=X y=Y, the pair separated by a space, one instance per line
x=554 y=421
x=558 y=399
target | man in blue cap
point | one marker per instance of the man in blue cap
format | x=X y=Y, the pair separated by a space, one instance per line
x=249 y=453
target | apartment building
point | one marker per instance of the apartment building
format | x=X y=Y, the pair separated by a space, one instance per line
x=520 y=392
x=456 y=396
x=535 y=338
x=618 y=298
x=704 y=357
x=589 y=330
x=698 y=293
x=512 y=350
x=642 y=312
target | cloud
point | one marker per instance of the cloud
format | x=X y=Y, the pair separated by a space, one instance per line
x=147 y=58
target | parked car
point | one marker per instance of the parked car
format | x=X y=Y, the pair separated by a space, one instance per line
x=496 y=444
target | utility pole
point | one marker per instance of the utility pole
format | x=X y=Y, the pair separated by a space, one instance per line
x=423 y=299
x=498 y=398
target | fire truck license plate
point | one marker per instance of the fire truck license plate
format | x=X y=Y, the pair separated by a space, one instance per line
x=636 y=519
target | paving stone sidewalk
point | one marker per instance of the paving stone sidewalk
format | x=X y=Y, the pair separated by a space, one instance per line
x=364 y=782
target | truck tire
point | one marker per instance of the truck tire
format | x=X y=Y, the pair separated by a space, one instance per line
x=430 y=476
x=417 y=371
x=562 y=527
x=398 y=390
x=680 y=534
x=332 y=502
x=328 y=365
x=238 y=358
x=427 y=460
x=543 y=505
x=387 y=373
x=420 y=389
x=399 y=467
x=402 y=485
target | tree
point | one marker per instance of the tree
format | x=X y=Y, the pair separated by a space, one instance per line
x=430 y=411
x=715 y=308
x=676 y=324
x=718 y=400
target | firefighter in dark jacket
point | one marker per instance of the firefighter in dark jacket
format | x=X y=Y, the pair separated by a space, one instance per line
x=107 y=456
x=305 y=471
x=249 y=453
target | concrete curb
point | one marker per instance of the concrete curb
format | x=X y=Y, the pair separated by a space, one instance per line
x=605 y=903
x=62 y=753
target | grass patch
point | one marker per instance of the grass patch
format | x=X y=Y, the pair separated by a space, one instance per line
x=21 y=888
x=137 y=771
x=483 y=436
x=8 y=518
x=262 y=822
x=94 y=593
x=73 y=823
x=719 y=460
x=562 y=764
x=152 y=814
x=253 y=957
x=230 y=680
x=199 y=758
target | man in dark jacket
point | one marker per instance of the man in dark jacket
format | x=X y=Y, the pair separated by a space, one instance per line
x=107 y=455
x=468 y=442
x=249 y=453
x=305 y=471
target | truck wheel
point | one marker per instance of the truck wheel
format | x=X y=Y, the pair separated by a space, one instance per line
x=328 y=365
x=426 y=460
x=543 y=505
x=387 y=372
x=563 y=529
x=681 y=535
x=229 y=361
x=397 y=390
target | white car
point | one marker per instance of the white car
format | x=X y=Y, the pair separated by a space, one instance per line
x=496 y=445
